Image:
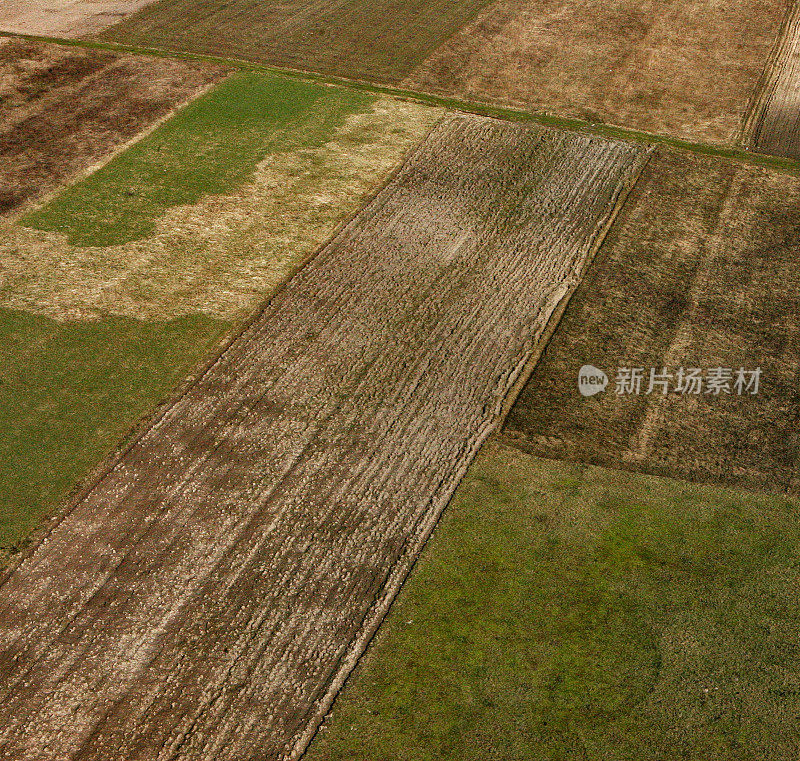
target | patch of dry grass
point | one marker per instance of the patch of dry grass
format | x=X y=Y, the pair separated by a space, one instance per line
x=221 y=255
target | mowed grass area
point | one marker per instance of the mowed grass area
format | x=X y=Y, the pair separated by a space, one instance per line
x=566 y=611
x=211 y=146
x=70 y=391
x=381 y=40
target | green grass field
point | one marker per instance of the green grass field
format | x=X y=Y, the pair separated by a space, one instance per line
x=212 y=146
x=70 y=391
x=567 y=612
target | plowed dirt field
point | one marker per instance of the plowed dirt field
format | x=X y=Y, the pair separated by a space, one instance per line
x=207 y=595
x=699 y=271
x=377 y=40
x=774 y=125
x=64 y=109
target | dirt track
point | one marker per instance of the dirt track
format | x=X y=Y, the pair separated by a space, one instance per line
x=207 y=596
x=63 y=109
x=774 y=124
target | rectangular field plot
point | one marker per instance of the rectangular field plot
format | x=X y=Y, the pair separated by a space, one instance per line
x=774 y=125
x=700 y=271
x=206 y=597
x=381 y=40
x=64 y=109
x=565 y=611
x=686 y=68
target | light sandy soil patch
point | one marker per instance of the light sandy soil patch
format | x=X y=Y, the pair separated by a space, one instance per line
x=774 y=124
x=64 y=109
x=208 y=595
x=686 y=68
x=699 y=271
x=223 y=254
x=64 y=18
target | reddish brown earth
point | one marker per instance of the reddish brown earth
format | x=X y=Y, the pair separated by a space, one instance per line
x=63 y=109
x=207 y=595
x=700 y=270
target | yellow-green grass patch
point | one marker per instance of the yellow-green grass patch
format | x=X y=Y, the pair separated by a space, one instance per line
x=566 y=611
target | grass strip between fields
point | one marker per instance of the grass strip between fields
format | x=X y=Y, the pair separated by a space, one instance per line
x=776 y=163
x=564 y=611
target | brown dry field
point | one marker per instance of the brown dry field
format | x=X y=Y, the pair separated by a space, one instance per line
x=63 y=18
x=700 y=270
x=208 y=594
x=64 y=109
x=379 y=40
x=774 y=124
x=686 y=69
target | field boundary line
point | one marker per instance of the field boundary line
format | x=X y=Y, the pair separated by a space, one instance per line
x=572 y=124
x=402 y=570
x=599 y=238
x=768 y=81
x=148 y=420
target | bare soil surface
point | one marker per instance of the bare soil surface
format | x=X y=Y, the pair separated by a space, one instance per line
x=700 y=270
x=207 y=596
x=64 y=109
x=686 y=69
x=774 y=126
x=64 y=18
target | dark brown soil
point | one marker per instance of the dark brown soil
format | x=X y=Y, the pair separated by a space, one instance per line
x=700 y=270
x=64 y=109
x=208 y=595
x=379 y=40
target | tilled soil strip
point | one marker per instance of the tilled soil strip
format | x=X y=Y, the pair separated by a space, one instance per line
x=207 y=597
x=774 y=122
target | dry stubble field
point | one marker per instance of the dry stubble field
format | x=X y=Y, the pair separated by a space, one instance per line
x=686 y=69
x=207 y=595
x=700 y=270
x=64 y=109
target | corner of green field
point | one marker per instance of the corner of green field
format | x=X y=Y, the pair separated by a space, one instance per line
x=211 y=146
x=69 y=392
x=564 y=611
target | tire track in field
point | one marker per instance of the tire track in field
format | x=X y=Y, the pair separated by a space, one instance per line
x=209 y=595
x=773 y=125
